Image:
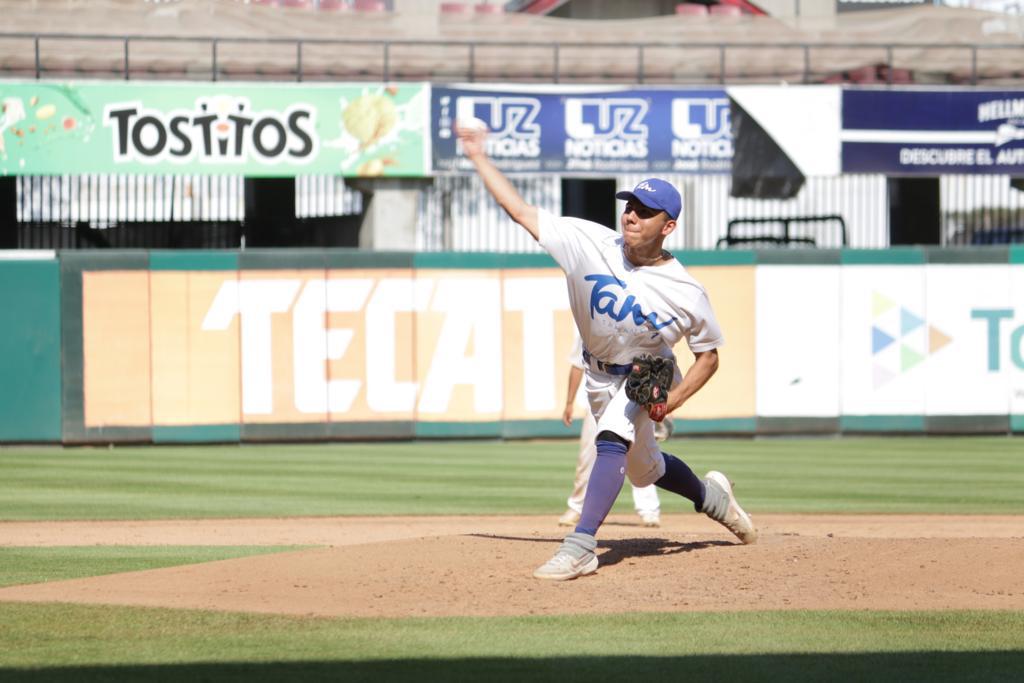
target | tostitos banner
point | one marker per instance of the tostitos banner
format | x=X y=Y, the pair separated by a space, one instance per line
x=213 y=128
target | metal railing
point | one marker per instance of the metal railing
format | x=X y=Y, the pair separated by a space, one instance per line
x=382 y=52
x=785 y=239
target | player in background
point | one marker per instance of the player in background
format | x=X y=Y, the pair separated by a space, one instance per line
x=645 y=498
x=628 y=296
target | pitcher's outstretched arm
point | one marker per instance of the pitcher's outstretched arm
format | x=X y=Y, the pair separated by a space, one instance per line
x=473 y=141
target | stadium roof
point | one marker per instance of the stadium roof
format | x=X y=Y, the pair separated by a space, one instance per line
x=509 y=47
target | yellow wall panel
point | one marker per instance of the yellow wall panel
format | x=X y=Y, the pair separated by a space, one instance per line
x=730 y=393
x=196 y=372
x=116 y=348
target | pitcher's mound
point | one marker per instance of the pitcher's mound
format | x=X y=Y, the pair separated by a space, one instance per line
x=483 y=566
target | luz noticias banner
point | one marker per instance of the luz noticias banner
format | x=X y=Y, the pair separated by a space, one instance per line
x=572 y=130
x=213 y=128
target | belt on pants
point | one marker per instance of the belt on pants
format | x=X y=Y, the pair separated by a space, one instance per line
x=610 y=368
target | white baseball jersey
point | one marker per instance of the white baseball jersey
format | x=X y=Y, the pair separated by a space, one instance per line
x=576 y=355
x=623 y=310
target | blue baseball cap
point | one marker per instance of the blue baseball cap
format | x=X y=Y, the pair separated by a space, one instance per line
x=655 y=193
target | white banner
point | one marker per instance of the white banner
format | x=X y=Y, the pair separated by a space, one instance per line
x=883 y=342
x=932 y=340
x=798 y=341
x=971 y=307
x=1013 y=339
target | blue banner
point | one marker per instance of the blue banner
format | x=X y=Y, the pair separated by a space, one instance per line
x=932 y=132
x=569 y=130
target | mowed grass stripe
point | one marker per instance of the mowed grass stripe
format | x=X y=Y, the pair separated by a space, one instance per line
x=63 y=635
x=965 y=475
x=22 y=565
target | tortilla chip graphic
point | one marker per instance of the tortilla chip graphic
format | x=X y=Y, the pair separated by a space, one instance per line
x=372 y=167
x=369 y=118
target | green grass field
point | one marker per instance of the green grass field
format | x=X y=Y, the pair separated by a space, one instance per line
x=20 y=565
x=894 y=475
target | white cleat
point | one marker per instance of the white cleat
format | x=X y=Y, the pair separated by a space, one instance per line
x=575 y=557
x=569 y=518
x=651 y=519
x=720 y=505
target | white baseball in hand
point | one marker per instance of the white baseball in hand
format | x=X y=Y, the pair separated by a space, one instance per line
x=471 y=123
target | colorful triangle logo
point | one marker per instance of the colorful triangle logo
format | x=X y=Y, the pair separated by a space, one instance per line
x=912 y=328
x=909 y=357
x=879 y=340
x=908 y=321
x=881 y=375
x=936 y=339
x=880 y=304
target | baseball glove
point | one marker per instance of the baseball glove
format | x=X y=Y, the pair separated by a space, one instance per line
x=649 y=380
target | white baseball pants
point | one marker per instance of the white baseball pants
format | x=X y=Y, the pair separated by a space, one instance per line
x=645 y=498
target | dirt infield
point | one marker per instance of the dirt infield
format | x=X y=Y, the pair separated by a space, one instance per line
x=460 y=566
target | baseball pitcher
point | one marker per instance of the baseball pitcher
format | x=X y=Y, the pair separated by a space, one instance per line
x=632 y=301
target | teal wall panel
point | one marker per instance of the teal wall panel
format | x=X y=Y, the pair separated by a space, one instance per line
x=896 y=256
x=447 y=430
x=1017 y=423
x=535 y=429
x=730 y=257
x=230 y=433
x=800 y=257
x=882 y=423
x=463 y=260
x=30 y=403
x=193 y=260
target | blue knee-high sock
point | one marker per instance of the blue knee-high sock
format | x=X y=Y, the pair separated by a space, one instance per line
x=603 y=488
x=679 y=478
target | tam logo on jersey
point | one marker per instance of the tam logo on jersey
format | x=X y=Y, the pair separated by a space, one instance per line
x=609 y=298
x=701 y=134
x=604 y=132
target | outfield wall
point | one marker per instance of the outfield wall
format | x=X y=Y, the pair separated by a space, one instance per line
x=30 y=347
x=173 y=346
